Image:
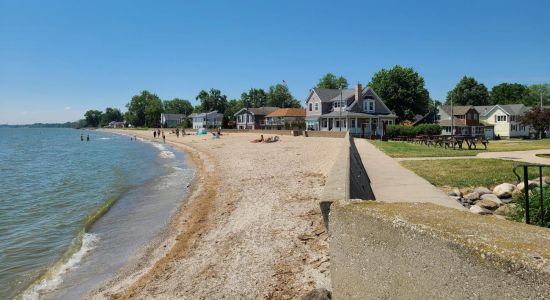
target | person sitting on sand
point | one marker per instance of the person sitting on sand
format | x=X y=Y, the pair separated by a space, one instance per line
x=259 y=140
x=271 y=140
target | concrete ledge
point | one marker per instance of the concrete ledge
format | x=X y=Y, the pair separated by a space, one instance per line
x=424 y=251
x=331 y=134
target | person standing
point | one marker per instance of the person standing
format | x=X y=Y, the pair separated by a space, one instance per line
x=81 y=137
x=155 y=134
x=88 y=138
x=163 y=138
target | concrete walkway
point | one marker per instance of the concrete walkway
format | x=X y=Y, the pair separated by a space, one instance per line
x=391 y=182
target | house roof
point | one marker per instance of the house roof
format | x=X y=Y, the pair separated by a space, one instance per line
x=173 y=117
x=514 y=109
x=457 y=109
x=326 y=95
x=214 y=112
x=258 y=111
x=288 y=112
x=337 y=114
x=483 y=109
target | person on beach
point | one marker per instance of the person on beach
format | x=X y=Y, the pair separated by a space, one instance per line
x=158 y=132
x=135 y=138
x=88 y=138
x=81 y=137
x=155 y=134
x=163 y=138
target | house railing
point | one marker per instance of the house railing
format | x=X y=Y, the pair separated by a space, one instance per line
x=525 y=181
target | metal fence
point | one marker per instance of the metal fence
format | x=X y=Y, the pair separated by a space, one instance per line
x=525 y=181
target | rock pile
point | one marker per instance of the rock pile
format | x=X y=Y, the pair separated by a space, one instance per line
x=484 y=201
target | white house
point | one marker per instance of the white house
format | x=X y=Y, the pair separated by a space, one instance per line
x=207 y=120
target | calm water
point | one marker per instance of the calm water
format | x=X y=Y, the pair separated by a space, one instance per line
x=72 y=212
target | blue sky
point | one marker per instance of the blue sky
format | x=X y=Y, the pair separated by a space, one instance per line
x=61 y=58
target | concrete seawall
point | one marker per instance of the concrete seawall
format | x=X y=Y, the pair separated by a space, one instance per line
x=425 y=251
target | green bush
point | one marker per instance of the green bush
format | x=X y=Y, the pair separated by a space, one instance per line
x=410 y=131
x=518 y=213
x=428 y=129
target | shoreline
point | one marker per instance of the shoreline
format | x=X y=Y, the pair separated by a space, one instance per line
x=152 y=257
x=239 y=234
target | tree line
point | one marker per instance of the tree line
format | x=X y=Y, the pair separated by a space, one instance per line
x=402 y=89
x=144 y=109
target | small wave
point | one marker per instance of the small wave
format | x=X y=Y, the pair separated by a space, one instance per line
x=166 y=154
x=104 y=138
x=54 y=277
x=161 y=147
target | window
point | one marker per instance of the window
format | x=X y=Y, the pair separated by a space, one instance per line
x=437 y=117
x=514 y=127
x=353 y=123
x=337 y=123
x=338 y=104
x=368 y=106
x=311 y=106
x=316 y=106
x=501 y=118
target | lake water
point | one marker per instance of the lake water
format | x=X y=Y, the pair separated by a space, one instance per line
x=72 y=212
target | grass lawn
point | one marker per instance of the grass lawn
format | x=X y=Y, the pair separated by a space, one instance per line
x=466 y=172
x=404 y=149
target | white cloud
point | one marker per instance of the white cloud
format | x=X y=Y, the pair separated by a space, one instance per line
x=67 y=108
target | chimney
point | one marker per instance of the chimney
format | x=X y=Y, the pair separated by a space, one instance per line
x=358 y=91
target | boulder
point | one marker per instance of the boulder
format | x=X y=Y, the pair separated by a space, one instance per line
x=521 y=186
x=318 y=294
x=487 y=204
x=545 y=181
x=472 y=196
x=504 y=210
x=456 y=198
x=506 y=200
x=480 y=210
x=482 y=190
x=455 y=192
x=492 y=197
x=504 y=190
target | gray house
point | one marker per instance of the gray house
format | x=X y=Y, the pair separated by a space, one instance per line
x=253 y=118
x=171 y=120
x=359 y=111
x=211 y=119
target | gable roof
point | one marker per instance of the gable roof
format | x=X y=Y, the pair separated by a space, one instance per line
x=326 y=95
x=457 y=109
x=288 y=112
x=258 y=111
x=214 y=112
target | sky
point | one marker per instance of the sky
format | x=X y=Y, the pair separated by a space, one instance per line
x=61 y=58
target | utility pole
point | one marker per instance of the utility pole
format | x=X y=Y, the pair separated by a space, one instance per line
x=340 y=121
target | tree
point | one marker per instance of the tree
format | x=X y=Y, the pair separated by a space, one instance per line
x=538 y=118
x=111 y=114
x=233 y=106
x=254 y=98
x=178 y=106
x=534 y=93
x=213 y=100
x=93 y=118
x=469 y=92
x=144 y=110
x=402 y=90
x=508 y=93
x=330 y=81
x=280 y=96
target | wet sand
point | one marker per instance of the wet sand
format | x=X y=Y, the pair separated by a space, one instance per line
x=251 y=227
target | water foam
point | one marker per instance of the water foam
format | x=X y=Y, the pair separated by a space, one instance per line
x=55 y=277
x=166 y=154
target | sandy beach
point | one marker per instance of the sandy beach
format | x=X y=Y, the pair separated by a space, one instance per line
x=251 y=227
